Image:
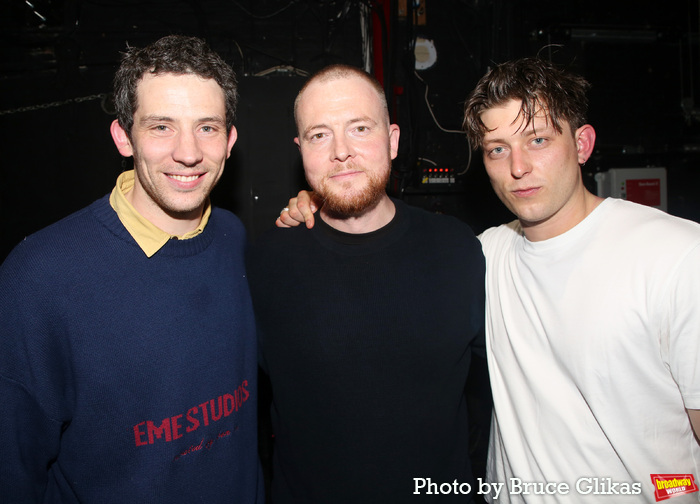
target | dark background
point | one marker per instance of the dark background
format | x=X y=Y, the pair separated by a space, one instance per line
x=57 y=59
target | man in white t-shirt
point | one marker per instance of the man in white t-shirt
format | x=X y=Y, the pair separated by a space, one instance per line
x=592 y=317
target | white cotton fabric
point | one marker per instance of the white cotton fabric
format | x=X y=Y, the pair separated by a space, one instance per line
x=593 y=347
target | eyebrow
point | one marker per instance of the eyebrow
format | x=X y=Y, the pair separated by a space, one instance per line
x=347 y=123
x=154 y=119
x=530 y=130
x=159 y=119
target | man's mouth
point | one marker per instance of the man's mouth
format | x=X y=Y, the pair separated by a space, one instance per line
x=524 y=193
x=184 y=178
x=345 y=172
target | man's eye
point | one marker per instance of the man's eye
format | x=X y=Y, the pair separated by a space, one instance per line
x=538 y=141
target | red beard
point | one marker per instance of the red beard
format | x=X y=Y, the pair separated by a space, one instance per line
x=343 y=201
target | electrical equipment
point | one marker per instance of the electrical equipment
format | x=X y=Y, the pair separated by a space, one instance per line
x=425 y=53
x=641 y=185
x=437 y=177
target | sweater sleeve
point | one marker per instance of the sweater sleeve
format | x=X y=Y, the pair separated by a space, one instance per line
x=30 y=433
x=28 y=442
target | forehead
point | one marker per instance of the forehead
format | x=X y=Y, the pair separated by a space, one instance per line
x=179 y=90
x=509 y=120
x=339 y=96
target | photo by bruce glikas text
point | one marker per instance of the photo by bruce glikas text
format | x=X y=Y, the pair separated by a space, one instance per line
x=593 y=486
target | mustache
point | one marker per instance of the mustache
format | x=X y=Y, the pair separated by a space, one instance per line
x=347 y=167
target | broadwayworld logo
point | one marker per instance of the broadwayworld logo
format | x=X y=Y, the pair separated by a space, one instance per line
x=672 y=485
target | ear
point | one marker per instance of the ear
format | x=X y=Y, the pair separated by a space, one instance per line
x=296 y=141
x=394 y=133
x=121 y=139
x=232 y=137
x=585 y=141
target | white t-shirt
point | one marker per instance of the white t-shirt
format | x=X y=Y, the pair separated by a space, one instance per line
x=593 y=346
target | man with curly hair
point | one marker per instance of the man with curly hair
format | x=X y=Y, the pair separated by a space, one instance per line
x=129 y=363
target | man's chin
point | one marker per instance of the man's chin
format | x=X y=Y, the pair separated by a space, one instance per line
x=345 y=208
x=348 y=202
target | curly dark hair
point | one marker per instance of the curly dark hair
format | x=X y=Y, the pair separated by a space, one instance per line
x=175 y=54
x=538 y=84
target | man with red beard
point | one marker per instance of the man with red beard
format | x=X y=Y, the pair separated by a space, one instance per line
x=368 y=375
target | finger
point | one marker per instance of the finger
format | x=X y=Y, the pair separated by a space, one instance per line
x=281 y=224
x=306 y=198
x=286 y=218
x=288 y=221
x=293 y=211
x=306 y=207
x=309 y=218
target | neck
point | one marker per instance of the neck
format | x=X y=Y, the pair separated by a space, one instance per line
x=576 y=210
x=175 y=225
x=375 y=218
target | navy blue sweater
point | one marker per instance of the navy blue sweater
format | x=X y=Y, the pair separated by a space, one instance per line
x=124 y=378
x=367 y=340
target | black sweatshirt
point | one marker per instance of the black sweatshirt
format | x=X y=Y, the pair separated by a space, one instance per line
x=367 y=340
